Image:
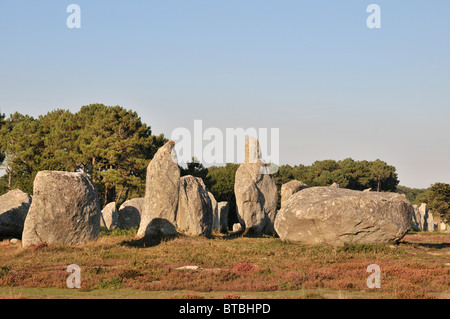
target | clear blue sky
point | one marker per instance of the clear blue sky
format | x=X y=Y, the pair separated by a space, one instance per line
x=335 y=88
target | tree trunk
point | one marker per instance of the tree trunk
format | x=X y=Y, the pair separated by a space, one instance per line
x=9 y=178
x=120 y=195
x=105 y=198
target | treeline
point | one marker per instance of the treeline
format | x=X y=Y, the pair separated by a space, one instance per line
x=114 y=147
x=110 y=144
x=357 y=175
x=437 y=198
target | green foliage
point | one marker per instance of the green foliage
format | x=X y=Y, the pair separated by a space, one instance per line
x=221 y=185
x=110 y=283
x=412 y=194
x=110 y=144
x=358 y=175
x=437 y=198
x=196 y=169
x=2 y=122
x=117 y=232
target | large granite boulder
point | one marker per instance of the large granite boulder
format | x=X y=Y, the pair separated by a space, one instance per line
x=290 y=188
x=161 y=194
x=336 y=216
x=130 y=212
x=256 y=192
x=14 y=207
x=109 y=217
x=65 y=210
x=195 y=212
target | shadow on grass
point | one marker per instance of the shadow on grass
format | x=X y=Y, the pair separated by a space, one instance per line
x=434 y=246
x=147 y=241
x=248 y=233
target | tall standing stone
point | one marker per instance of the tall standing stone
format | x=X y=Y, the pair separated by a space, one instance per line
x=256 y=192
x=65 y=210
x=223 y=209
x=161 y=194
x=195 y=212
x=431 y=225
x=416 y=222
x=14 y=207
x=215 y=212
x=426 y=219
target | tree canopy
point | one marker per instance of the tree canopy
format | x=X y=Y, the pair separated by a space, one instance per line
x=110 y=144
x=437 y=198
x=348 y=173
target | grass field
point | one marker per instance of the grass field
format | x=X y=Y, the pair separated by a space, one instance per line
x=118 y=266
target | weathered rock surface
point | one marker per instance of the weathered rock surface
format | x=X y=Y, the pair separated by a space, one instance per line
x=256 y=192
x=416 y=222
x=109 y=217
x=215 y=212
x=336 y=216
x=422 y=219
x=14 y=207
x=428 y=220
x=223 y=209
x=195 y=212
x=237 y=227
x=290 y=188
x=161 y=194
x=130 y=212
x=65 y=210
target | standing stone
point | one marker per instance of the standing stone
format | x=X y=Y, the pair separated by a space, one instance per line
x=290 y=188
x=130 y=213
x=14 y=207
x=223 y=208
x=215 y=214
x=431 y=225
x=256 y=192
x=426 y=218
x=416 y=223
x=65 y=210
x=326 y=215
x=161 y=194
x=195 y=213
x=423 y=213
x=109 y=217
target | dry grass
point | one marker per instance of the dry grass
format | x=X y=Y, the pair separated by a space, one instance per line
x=230 y=267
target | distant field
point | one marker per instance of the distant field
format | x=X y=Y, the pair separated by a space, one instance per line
x=230 y=267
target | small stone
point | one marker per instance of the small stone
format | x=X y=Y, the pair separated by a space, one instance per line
x=189 y=268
